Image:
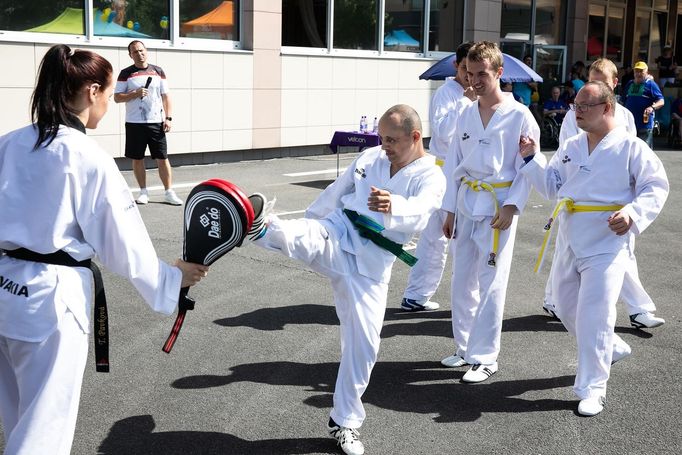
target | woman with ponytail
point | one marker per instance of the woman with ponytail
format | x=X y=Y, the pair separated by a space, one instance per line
x=64 y=201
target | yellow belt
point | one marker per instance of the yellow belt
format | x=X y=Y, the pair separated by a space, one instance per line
x=478 y=185
x=440 y=162
x=569 y=206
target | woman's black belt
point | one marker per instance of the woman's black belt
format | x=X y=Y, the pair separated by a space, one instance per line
x=101 y=317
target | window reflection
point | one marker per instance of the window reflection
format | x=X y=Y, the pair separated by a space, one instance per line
x=355 y=24
x=209 y=19
x=614 y=40
x=445 y=25
x=304 y=23
x=403 y=26
x=44 y=16
x=131 y=18
x=641 y=40
x=516 y=16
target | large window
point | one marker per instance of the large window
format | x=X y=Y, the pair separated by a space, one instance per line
x=46 y=16
x=527 y=24
x=445 y=25
x=605 y=30
x=206 y=24
x=516 y=20
x=549 y=28
x=355 y=24
x=403 y=26
x=209 y=19
x=131 y=18
x=304 y=23
x=373 y=25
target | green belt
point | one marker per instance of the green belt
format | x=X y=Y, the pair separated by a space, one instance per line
x=370 y=229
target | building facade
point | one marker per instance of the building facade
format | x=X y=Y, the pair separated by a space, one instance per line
x=264 y=78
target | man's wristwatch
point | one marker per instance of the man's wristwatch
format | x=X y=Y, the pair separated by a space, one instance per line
x=170 y=119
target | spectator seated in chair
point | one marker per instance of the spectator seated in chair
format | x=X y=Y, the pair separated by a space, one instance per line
x=555 y=107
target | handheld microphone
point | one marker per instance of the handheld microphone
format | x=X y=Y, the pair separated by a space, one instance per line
x=149 y=81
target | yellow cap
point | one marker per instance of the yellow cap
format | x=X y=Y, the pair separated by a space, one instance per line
x=641 y=66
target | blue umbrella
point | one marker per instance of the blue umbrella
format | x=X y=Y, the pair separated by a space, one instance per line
x=514 y=70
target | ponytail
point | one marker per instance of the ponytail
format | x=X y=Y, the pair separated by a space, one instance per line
x=61 y=76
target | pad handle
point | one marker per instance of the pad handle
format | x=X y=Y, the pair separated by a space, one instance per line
x=184 y=303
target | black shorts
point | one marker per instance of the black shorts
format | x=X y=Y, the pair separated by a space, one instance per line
x=141 y=135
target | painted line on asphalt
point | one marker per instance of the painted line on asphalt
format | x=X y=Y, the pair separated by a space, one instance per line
x=325 y=171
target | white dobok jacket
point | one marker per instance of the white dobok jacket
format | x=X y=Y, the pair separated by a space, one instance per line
x=69 y=196
x=416 y=192
x=621 y=170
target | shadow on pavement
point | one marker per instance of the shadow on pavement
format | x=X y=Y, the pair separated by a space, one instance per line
x=422 y=387
x=435 y=323
x=134 y=435
x=317 y=184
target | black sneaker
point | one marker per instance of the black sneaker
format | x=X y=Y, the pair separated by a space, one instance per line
x=413 y=305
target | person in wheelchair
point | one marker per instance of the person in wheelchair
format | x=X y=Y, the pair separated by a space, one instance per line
x=555 y=107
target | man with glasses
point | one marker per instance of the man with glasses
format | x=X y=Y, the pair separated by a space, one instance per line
x=643 y=97
x=640 y=306
x=610 y=186
x=353 y=233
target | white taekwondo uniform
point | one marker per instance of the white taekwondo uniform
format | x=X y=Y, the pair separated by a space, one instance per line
x=359 y=271
x=592 y=260
x=66 y=196
x=633 y=293
x=490 y=155
x=446 y=105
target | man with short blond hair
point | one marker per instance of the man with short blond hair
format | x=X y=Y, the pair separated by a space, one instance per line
x=484 y=197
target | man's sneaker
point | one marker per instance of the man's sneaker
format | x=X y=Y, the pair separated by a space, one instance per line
x=591 y=406
x=347 y=438
x=454 y=361
x=172 y=198
x=413 y=305
x=549 y=309
x=479 y=373
x=620 y=355
x=645 y=320
x=143 y=198
x=261 y=209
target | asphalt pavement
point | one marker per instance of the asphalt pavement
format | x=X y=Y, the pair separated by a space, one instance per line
x=254 y=368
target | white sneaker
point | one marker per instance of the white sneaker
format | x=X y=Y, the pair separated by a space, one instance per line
x=172 y=198
x=261 y=209
x=620 y=355
x=645 y=320
x=454 y=361
x=143 y=198
x=415 y=305
x=591 y=406
x=347 y=438
x=479 y=373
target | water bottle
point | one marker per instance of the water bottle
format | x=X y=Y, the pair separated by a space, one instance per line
x=375 y=127
x=362 y=120
x=363 y=124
